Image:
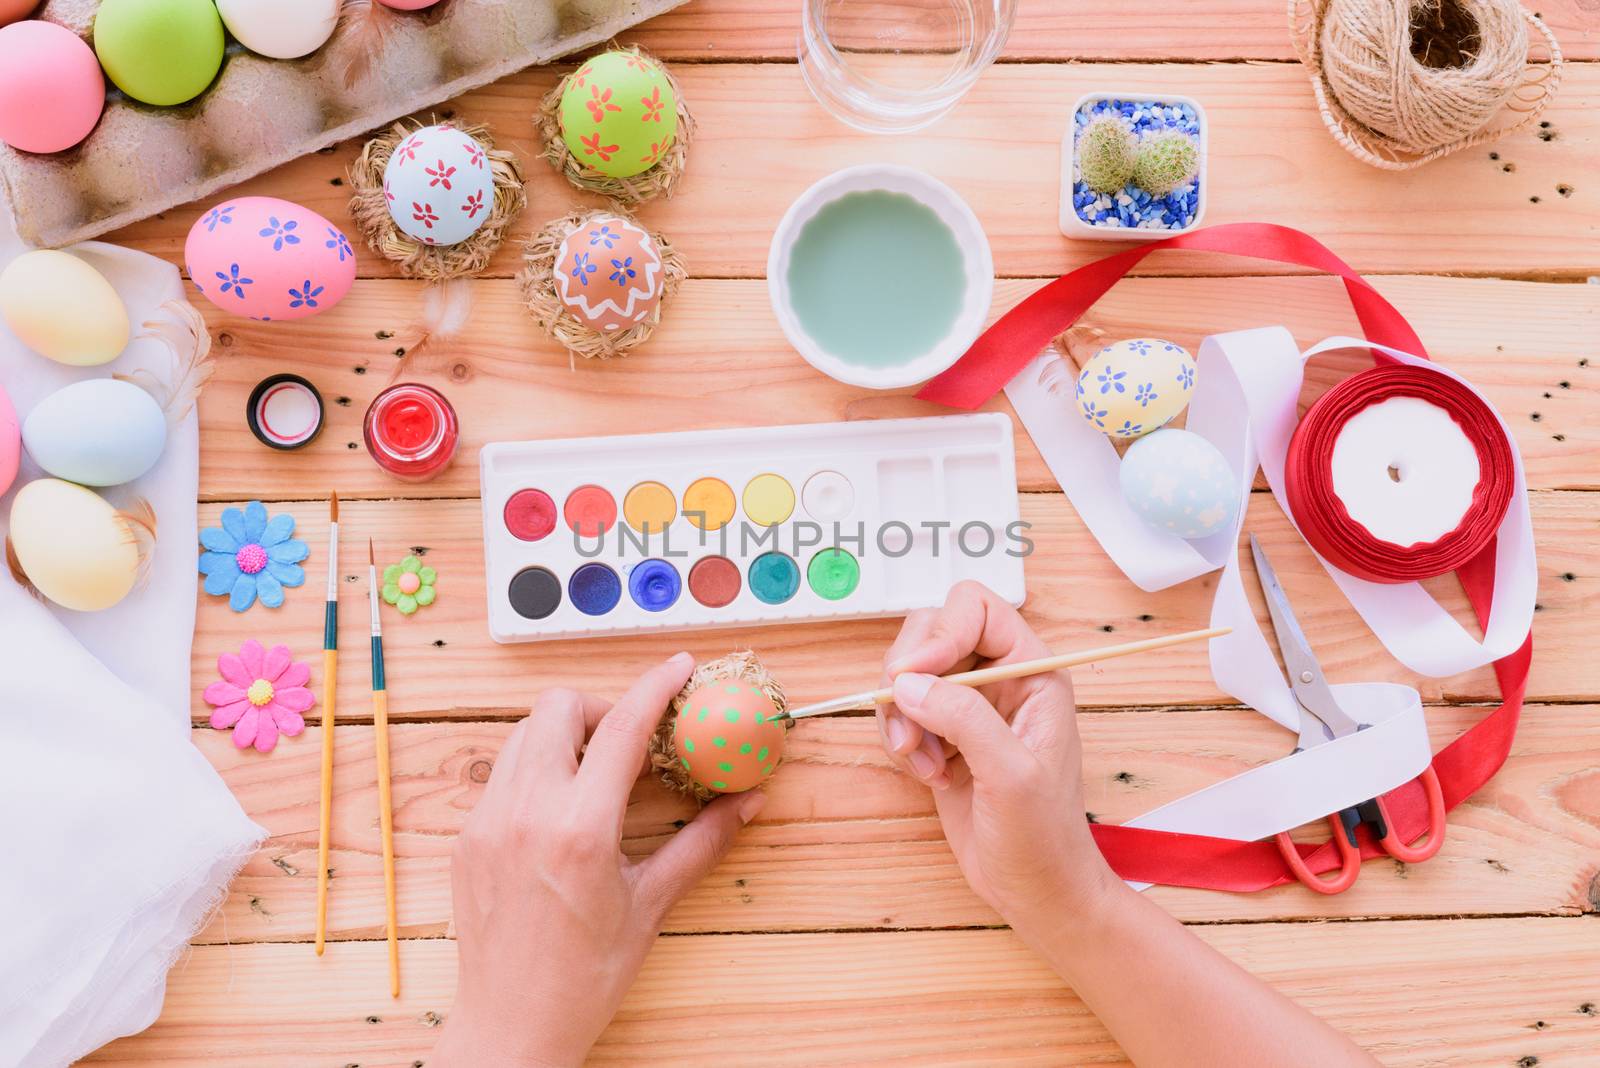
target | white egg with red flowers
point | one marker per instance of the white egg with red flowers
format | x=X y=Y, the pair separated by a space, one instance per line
x=439 y=186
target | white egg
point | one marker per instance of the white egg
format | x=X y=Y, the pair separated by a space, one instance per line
x=100 y=432
x=439 y=185
x=282 y=29
x=1179 y=483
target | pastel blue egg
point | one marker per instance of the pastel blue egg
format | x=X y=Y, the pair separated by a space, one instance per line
x=100 y=432
x=1180 y=484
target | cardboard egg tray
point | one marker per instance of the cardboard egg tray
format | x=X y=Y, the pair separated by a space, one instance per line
x=260 y=112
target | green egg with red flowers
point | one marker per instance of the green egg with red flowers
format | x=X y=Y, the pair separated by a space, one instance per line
x=619 y=114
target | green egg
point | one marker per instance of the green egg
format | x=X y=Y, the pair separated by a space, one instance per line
x=619 y=114
x=160 y=52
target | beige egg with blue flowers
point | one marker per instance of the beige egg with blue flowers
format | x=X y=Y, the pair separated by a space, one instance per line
x=1132 y=387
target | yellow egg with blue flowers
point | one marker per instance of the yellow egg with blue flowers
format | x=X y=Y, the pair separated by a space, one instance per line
x=1132 y=387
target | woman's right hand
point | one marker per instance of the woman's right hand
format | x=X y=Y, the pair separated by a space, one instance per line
x=1004 y=761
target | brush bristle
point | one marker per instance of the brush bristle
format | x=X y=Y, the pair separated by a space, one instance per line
x=372 y=557
x=333 y=507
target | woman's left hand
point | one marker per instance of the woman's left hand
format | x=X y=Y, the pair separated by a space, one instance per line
x=552 y=920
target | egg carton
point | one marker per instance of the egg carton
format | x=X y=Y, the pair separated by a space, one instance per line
x=259 y=112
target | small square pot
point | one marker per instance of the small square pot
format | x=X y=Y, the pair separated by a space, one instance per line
x=1073 y=225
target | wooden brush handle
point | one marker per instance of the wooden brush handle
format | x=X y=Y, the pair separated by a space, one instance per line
x=330 y=663
x=380 y=725
x=1002 y=672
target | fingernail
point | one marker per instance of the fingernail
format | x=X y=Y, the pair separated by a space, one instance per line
x=681 y=660
x=899 y=732
x=911 y=688
x=921 y=764
x=751 y=804
x=899 y=667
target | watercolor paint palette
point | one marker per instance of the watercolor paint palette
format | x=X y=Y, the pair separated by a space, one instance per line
x=637 y=534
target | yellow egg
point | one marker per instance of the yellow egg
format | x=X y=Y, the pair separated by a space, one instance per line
x=726 y=736
x=1130 y=388
x=62 y=308
x=75 y=548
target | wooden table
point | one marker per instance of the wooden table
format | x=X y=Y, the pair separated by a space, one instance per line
x=840 y=923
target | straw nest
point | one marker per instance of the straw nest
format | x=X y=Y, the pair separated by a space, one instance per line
x=432 y=263
x=1402 y=82
x=538 y=281
x=745 y=667
x=659 y=180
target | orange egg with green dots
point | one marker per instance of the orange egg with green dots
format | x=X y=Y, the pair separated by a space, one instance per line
x=727 y=736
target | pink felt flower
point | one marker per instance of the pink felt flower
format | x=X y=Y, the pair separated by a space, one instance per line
x=262 y=695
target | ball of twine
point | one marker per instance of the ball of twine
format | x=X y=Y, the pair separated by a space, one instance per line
x=416 y=259
x=659 y=180
x=743 y=667
x=1403 y=82
x=538 y=281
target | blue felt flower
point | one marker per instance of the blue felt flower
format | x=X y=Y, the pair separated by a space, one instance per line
x=252 y=557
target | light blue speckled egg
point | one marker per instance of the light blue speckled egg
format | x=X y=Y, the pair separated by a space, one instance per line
x=99 y=432
x=1179 y=483
x=1130 y=388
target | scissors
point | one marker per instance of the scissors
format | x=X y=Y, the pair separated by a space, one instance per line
x=1323 y=719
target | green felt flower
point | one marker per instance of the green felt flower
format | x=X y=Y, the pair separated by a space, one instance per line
x=408 y=585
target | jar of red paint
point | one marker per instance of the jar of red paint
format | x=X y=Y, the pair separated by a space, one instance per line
x=411 y=431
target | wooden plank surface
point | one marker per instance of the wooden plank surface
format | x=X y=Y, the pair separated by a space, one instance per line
x=442 y=664
x=720 y=360
x=847 y=842
x=840 y=924
x=763 y=140
x=1058 y=30
x=1416 y=994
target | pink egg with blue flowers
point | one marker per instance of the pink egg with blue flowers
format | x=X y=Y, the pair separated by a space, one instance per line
x=266 y=259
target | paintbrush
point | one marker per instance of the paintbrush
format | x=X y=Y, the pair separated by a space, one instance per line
x=330 y=662
x=1002 y=672
x=380 y=731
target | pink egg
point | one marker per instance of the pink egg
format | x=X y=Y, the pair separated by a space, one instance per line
x=51 y=89
x=10 y=442
x=267 y=258
x=609 y=274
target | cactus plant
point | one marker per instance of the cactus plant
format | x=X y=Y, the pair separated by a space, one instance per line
x=1106 y=154
x=1165 y=161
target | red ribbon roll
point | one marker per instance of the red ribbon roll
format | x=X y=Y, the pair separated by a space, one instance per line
x=1322 y=516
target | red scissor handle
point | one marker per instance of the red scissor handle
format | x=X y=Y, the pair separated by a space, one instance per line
x=1436 y=814
x=1349 y=860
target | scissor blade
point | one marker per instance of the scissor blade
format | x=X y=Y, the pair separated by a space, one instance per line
x=1305 y=673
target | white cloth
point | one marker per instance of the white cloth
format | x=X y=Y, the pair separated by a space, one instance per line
x=120 y=836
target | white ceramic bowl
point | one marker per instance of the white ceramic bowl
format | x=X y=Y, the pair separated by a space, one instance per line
x=955 y=214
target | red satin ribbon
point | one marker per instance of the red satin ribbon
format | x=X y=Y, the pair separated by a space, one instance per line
x=1463 y=766
x=1326 y=523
